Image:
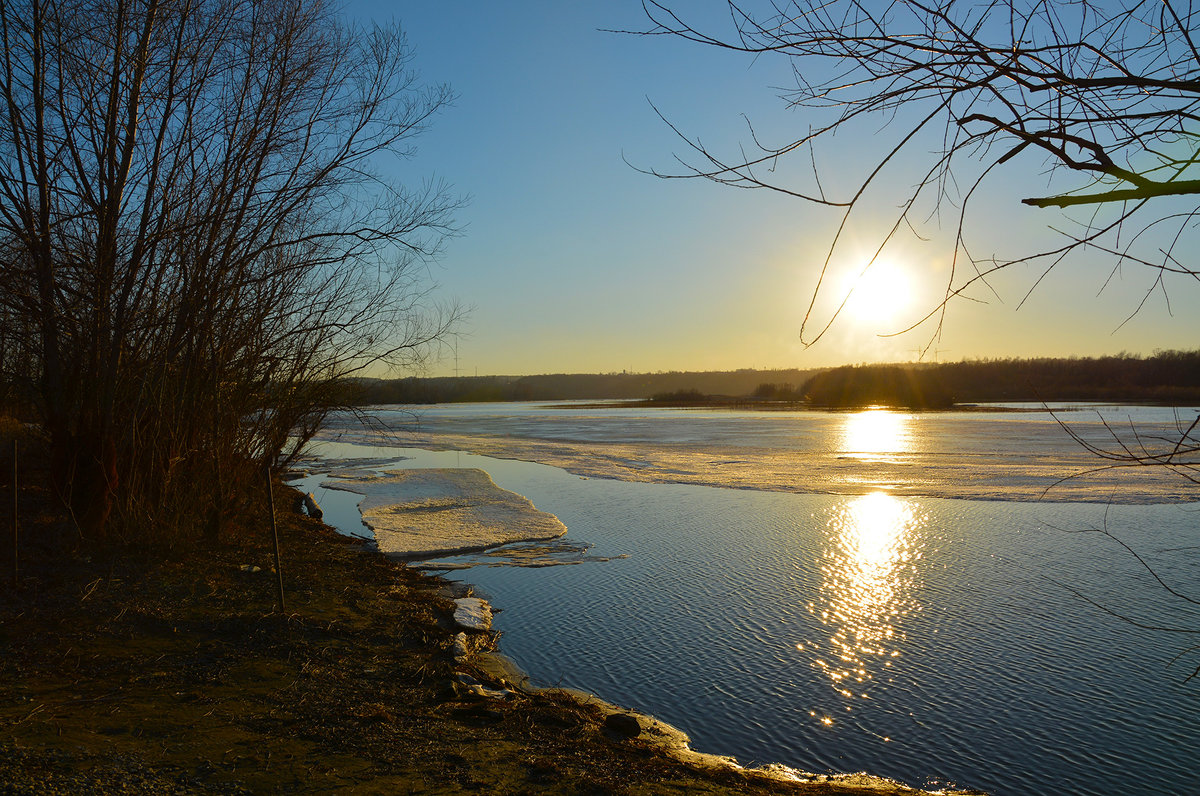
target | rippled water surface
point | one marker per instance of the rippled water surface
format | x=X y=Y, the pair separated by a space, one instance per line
x=927 y=639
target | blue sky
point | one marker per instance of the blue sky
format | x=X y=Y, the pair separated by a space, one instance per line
x=573 y=261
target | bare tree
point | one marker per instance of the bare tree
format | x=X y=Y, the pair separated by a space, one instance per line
x=200 y=238
x=1102 y=96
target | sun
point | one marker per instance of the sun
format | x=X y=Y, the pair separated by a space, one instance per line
x=880 y=295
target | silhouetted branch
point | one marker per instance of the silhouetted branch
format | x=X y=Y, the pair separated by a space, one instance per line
x=1104 y=94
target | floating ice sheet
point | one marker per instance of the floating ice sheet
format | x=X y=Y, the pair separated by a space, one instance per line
x=422 y=513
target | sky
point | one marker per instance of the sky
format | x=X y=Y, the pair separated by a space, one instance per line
x=571 y=259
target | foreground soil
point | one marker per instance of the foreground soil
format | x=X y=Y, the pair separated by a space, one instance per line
x=151 y=671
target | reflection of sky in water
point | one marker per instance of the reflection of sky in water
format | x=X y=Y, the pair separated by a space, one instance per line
x=869 y=576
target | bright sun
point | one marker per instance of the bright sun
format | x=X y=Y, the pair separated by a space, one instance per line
x=879 y=296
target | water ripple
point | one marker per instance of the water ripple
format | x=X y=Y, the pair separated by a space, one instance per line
x=978 y=664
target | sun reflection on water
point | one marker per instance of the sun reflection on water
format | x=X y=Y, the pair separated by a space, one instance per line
x=875 y=434
x=869 y=579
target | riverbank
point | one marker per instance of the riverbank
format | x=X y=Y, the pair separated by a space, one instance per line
x=151 y=671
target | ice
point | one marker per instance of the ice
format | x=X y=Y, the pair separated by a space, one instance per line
x=424 y=513
x=472 y=613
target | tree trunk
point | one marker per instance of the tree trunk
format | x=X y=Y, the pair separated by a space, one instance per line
x=85 y=477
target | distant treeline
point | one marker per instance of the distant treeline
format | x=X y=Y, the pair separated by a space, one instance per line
x=1167 y=376
x=914 y=386
x=570 y=387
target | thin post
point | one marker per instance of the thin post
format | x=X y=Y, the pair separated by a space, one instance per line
x=275 y=540
x=15 y=568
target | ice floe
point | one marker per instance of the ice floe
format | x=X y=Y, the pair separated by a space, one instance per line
x=423 y=513
x=472 y=613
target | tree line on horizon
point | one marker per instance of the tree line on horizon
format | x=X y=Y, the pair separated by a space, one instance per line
x=1166 y=376
x=566 y=386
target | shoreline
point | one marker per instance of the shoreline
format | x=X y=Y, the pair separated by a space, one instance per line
x=676 y=743
x=160 y=671
x=501 y=671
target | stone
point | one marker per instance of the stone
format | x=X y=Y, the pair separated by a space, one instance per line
x=624 y=724
x=310 y=506
x=462 y=650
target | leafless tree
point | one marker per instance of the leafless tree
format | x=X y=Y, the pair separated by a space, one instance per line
x=200 y=236
x=1101 y=96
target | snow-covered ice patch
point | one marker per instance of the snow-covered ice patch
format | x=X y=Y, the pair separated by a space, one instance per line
x=421 y=513
x=472 y=613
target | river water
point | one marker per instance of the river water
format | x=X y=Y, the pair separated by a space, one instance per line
x=918 y=596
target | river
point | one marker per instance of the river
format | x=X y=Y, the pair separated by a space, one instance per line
x=916 y=595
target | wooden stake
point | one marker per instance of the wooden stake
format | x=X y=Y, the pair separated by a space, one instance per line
x=15 y=569
x=275 y=538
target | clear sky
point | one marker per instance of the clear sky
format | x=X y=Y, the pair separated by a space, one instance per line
x=571 y=260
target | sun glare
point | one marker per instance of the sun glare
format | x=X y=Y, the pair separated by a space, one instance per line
x=880 y=295
x=875 y=434
x=869 y=587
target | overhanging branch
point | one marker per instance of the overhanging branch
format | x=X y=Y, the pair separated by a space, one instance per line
x=1148 y=191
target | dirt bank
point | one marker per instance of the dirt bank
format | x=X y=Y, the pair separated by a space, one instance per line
x=147 y=671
